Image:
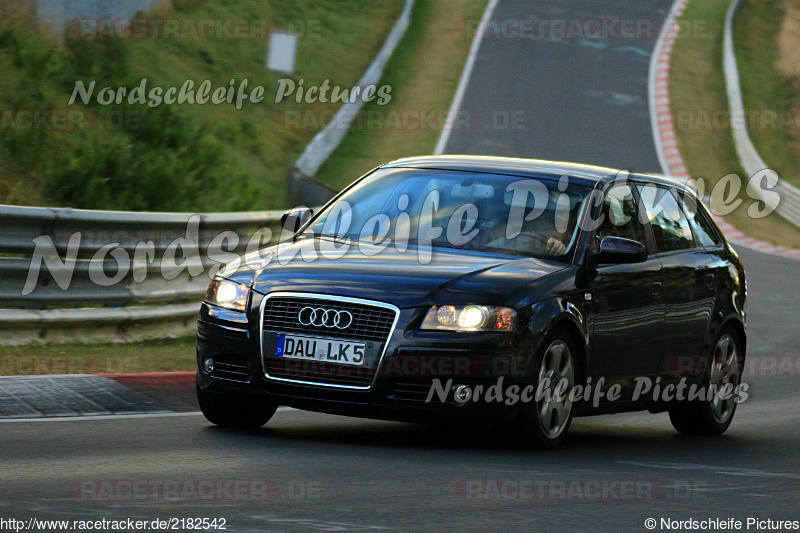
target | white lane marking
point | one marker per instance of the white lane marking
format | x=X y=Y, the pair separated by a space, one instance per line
x=634 y=49
x=158 y=414
x=465 y=76
x=725 y=470
x=319 y=525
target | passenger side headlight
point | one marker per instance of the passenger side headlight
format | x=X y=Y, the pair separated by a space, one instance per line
x=470 y=318
x=227 y=294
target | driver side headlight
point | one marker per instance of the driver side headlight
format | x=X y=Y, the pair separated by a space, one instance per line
x=227 y=294
x=470 y=318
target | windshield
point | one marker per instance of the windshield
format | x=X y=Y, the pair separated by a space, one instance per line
x=464 y=210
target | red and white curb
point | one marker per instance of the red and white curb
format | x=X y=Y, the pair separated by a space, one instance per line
x=669 y=156
x=737 y=237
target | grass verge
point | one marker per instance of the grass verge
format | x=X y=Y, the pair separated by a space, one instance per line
x=423 y=73
x=162 y=355
x=171 y=157
x=766 y=92
x=697 y=88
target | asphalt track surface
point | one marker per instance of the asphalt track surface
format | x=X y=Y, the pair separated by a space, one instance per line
x=544 y=91
x=310 y=472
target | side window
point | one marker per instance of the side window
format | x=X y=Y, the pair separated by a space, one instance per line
x=619 y=218
x=670 y=227
x=703 y=227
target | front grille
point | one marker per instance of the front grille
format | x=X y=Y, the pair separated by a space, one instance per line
x=372 y=325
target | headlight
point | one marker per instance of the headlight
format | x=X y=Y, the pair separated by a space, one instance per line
x=227 y=294
x=470 y=318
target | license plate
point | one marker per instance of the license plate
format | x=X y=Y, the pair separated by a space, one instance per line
x=323 y=350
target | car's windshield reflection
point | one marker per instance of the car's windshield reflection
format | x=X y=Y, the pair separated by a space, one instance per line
x=460 y=210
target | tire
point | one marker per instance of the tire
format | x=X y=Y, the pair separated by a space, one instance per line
x=704 y=417
x=235 y=411
x=543 y=424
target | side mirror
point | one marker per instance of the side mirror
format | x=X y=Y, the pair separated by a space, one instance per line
x=294 y=219
x=617 y=250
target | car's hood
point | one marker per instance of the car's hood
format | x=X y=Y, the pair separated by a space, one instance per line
x=416 y=276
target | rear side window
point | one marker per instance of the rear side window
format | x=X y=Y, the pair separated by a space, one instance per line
x=671 y=228
x=703 y=227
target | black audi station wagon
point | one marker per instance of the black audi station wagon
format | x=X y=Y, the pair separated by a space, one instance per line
x=483 y=289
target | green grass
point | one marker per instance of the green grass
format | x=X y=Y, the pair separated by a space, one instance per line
x=756 y=30
x=164 y=355
x=423 y=73
x=697 y=85
x=180 y=157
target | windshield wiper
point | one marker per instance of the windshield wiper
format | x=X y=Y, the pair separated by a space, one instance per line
x=331 y=236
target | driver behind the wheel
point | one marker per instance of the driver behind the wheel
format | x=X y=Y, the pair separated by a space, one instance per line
x=548 y=233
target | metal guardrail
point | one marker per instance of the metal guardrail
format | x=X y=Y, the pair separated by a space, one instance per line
x=134 y=275
x=789 y=205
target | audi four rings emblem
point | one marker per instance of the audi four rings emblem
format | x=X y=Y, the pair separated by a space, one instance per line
x=321 y=317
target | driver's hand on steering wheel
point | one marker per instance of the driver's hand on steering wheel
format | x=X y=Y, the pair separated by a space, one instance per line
x=555 y=246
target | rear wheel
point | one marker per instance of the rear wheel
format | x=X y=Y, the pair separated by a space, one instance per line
x=543 y=423
x=712 y=414
x=235 y=411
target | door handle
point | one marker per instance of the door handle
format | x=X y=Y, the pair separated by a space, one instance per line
x=657 y=289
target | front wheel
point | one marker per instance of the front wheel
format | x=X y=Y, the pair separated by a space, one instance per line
x=543 y=423
x=235 y=411
x=713 y=414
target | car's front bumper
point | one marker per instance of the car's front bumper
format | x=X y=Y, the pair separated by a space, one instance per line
x=416 y=379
